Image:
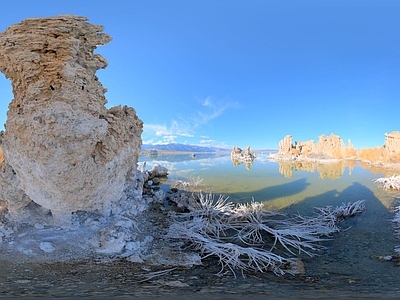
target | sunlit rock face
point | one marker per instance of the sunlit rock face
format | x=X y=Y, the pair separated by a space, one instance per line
x=331 y=146
x=392 y=143
x=286 y=145
x=68 y=151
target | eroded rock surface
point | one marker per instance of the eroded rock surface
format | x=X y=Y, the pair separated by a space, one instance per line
x=392 y=143
x=333 y=147
x=68 y=151
x=238 y=156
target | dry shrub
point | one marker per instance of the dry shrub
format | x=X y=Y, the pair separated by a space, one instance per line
x=350 y=152
x=336 y=153
x=371 y=154
x=295 y=151
x=395 y=158
x=306 y=152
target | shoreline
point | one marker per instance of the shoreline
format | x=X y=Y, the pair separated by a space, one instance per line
x=274 y=156
x=384 y=165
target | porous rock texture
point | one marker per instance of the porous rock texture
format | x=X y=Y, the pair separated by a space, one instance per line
x=331 y=146
x=239 y=154
x=67 y=151
x=392 y=143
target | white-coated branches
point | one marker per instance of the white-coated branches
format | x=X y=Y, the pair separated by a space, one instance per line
x=247 y=238
x=391 y=182
x=193 y=184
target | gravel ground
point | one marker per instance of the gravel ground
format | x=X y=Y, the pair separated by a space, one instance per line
x=121 y=279
x=347 y=269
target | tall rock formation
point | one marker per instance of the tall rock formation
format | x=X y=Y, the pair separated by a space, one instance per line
x=331 y=146
x=392 y=143
x=68 y=151
x=286 y=145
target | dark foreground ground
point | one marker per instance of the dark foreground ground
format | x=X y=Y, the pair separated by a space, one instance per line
x=120 y=280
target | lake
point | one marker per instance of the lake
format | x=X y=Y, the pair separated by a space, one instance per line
x=350 y=260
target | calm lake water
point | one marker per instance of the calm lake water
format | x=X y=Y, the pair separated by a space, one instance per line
x=349 y=259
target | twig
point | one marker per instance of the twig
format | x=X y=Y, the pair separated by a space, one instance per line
x=155 y=274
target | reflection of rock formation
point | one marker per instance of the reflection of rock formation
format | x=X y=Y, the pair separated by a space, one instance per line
x=68 y=151
x=332 y=170
x=239 y=156
x=239 y=162
x=286 y=168
x=153 y=153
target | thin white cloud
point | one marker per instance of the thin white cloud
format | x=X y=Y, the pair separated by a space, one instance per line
x=148 y=142
x=211 y=110
x=214 y=143
x=161 y=134
x=169 y=138
x=155 y=129
x=185 y=134
x=185 y=126
x=207 y=141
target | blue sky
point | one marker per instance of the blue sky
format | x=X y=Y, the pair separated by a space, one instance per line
x=244 y=73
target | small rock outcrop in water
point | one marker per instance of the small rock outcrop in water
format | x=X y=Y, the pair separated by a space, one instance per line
x=66 y=151
x=240 y=155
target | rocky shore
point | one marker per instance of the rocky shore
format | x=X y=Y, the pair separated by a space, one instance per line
x=80 y=217
x=331 y=149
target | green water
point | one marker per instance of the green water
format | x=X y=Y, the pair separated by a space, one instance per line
x=350 y=257
x=277 y=185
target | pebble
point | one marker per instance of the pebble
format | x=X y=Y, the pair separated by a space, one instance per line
x=47 y=247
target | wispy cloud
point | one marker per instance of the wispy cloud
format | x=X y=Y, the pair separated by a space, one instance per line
x=211 y=110
x=213 y=143
x=186 y=126
x=156 y=129
x=162 y=134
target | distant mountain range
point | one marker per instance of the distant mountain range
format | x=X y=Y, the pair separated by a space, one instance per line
x=182 y=148
x=175 y=147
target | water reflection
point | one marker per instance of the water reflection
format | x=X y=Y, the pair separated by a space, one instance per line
x=279 y=191
x=247 y=164
x=176 y=157
x=277 y=184
x=332 y=170
x=355 y=190
x=299 y=187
